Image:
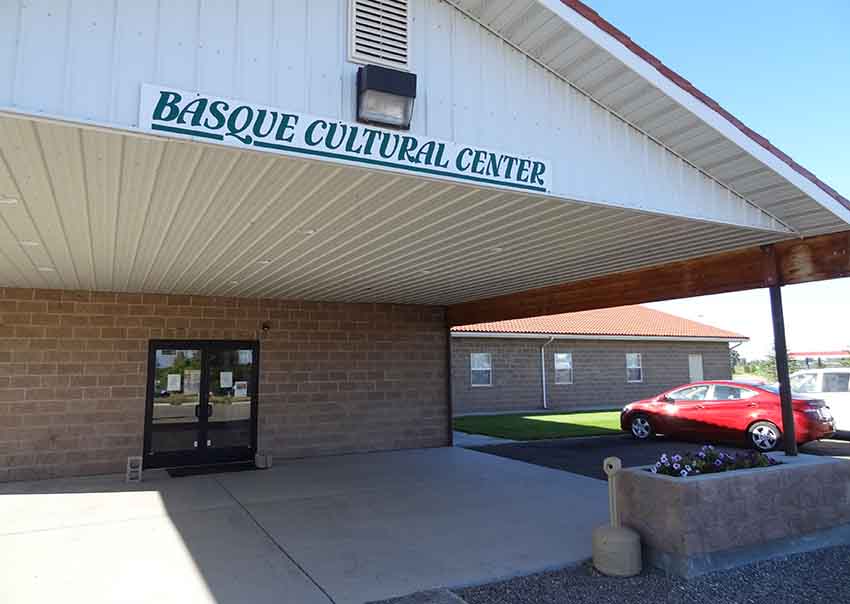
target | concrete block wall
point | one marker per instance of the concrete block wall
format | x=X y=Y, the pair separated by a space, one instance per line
x=334 y=378
x=694 y=525
x=599 y=372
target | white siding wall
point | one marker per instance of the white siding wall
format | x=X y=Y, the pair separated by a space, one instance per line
x=85 y=61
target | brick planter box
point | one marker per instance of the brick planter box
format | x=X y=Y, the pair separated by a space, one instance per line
x=690 y=526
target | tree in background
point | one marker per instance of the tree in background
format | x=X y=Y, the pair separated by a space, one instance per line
x=764 y=368
x=736 y=360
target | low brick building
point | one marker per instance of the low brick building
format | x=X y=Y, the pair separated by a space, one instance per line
x=599 y=358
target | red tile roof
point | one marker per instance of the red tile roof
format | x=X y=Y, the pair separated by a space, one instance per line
x=628 y=321
x=606 y=26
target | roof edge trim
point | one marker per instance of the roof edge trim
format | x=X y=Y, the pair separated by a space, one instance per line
x=546 y=336
x=647 y=65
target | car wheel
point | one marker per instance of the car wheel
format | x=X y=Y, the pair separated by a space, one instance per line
x=764 y=436
x=641 y=427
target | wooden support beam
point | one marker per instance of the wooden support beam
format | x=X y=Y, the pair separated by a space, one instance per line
x=785 y=263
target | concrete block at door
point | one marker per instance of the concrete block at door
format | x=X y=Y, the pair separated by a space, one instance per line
x=263 y=461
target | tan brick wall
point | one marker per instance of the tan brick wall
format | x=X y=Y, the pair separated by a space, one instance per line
x=599 y=372
x=334 y=378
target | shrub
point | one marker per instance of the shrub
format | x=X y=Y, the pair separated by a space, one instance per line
x=709 y=460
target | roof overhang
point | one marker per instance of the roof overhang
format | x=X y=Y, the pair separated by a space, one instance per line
x=110 y=209
x=558 y=336
x=110 y=206
x=574 y=43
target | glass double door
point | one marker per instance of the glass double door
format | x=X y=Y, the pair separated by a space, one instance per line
x=201 y=402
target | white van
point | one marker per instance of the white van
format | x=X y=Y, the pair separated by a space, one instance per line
x=832 y=385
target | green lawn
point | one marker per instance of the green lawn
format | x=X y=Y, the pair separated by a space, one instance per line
x=541 y=425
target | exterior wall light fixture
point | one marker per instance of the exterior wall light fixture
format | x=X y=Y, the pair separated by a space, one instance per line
x=385 y=96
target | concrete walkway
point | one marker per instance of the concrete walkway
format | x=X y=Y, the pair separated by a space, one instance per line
x=346 y=529
x=462 y=439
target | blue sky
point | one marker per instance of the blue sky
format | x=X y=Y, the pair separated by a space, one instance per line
x=783 y=68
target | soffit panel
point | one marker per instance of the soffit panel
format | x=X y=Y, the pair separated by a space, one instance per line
x=116 y=211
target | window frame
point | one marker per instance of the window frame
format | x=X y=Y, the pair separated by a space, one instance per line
x=639 y=366
x=709 y=392
x=571 y=368
x=489 y=370
x=831 y=373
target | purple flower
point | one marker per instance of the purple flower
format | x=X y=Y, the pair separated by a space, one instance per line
x=688 y=468
x=683 y=473
x=676 y=466
x=702 y=454
x=718 y=463
x=677 y=458
x=654 y=470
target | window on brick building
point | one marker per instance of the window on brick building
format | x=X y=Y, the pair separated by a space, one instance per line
x=481 y=369
x=563 y=368
x=634 y=367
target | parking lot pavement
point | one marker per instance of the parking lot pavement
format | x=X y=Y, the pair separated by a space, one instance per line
x=584 y=455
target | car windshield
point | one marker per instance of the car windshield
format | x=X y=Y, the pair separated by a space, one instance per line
x=804 y=382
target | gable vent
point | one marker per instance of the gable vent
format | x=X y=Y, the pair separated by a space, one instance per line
x=379 y=30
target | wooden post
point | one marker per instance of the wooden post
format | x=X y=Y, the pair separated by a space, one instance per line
x=789 y=434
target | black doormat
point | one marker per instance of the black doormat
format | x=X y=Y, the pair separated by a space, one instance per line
x=211 y=469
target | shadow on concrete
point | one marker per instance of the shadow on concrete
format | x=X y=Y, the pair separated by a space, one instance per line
x=363 y=527
x=98 y=539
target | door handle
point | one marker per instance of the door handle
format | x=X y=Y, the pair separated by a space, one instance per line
x=700 y=406
x=753 y=405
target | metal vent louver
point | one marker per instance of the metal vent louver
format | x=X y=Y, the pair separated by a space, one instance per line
x=379 y=32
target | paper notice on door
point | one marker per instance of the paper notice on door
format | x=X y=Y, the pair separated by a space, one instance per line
x=240 y=389
x=174 y=382
x=225 y=379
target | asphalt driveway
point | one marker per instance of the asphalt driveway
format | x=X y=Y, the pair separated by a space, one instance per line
x=346 y=529
x=584 y=455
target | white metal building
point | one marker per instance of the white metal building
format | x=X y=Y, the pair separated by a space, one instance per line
x=181 y=154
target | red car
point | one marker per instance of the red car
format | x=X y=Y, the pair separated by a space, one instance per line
x=728 y=412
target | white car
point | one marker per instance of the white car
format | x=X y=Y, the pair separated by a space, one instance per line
x=832 y=385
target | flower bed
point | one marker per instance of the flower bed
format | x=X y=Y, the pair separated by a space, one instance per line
x=719 y=518
x=709 y=460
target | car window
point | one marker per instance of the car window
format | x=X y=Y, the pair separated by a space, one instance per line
x=836 y=382
x=804 y=382
x=731 y=393
x=692 y=393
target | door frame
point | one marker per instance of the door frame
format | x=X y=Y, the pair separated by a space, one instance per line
x=202 y=455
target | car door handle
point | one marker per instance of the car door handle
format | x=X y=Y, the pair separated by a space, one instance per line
x=754 y=405
x=700 y=406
